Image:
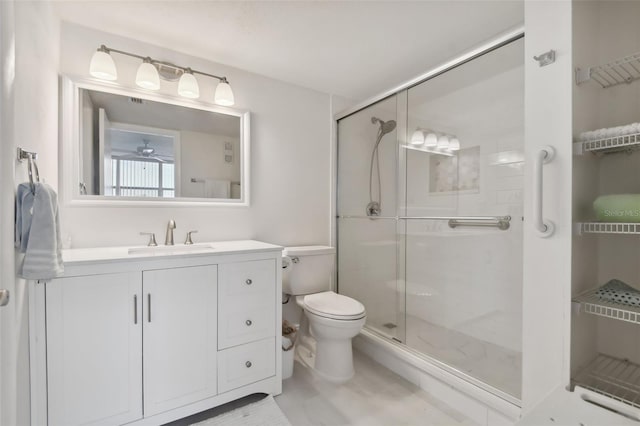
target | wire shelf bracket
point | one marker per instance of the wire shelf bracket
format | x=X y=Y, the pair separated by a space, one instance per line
x=609 y=228
x=615 y=378
x=624 y=143
x=622 y=71
x=591 y=303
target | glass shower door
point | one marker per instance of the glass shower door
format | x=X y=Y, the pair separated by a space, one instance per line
x=464 y=208
x=368 y=237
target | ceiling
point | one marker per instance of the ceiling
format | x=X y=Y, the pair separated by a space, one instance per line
x=165 y=116
x=355 y=49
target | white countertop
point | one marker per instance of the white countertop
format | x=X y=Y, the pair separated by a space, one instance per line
x=98 y=254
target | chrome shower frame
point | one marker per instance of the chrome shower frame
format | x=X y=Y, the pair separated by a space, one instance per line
x=445 y=372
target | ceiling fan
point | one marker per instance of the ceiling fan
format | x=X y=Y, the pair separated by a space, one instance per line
x=145 y=152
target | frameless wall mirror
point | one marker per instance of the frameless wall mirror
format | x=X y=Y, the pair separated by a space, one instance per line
x=126 y=145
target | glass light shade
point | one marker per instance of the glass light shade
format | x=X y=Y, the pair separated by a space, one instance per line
x=188 y=86
x=443 y=142
x=102 y=66
x=431 y=140
x=224 y=94
x=454 y=144
x=417 y=138
x=147 y=76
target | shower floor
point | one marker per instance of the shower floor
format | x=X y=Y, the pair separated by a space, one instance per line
x=495 y=365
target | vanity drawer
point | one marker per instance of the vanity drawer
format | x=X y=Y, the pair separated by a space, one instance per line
x=246 y=364
x=246 y=325
x=248 y=282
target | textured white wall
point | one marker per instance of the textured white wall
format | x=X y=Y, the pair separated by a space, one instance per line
x=35 y=127
x=290 y=152
x=547 y=268
x=202 y=157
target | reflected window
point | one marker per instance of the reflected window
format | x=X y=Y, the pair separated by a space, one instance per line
x=142 y=178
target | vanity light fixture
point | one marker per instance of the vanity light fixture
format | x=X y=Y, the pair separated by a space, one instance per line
x=417 y=138
x=151 y=70
x=224 y=94
x=431 y=140
x=147 y=76
x=454 y=144
x=102 y=65
x=188 y=85
x=443 y=142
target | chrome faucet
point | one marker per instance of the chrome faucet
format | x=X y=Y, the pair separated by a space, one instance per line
x=168 y=241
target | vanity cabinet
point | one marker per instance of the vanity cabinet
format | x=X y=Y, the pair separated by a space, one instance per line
x=155 y=338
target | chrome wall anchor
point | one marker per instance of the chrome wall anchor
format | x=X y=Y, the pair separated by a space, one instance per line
x=546 y=58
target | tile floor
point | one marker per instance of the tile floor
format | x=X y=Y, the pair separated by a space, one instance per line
x=459 y=347
x=375 y=396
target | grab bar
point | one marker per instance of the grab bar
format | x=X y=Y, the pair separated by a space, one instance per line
x=502 y=224
x=545 y=228
x=474 y=219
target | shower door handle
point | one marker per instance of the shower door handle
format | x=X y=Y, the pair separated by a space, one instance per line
x=544 y=227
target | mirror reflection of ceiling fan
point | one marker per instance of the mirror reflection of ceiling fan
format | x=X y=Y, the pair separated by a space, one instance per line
x=146 y=152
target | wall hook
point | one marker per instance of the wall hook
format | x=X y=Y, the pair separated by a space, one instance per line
x=546 y=58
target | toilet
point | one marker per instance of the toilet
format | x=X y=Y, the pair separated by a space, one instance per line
x=330 y=320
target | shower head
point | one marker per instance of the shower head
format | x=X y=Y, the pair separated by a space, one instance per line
x=385 y=126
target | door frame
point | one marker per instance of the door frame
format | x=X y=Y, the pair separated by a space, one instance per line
x=8 y=338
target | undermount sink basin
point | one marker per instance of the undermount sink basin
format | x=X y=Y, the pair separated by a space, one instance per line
x=191 y=248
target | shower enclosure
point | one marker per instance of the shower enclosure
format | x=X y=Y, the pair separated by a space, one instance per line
x=430 y=214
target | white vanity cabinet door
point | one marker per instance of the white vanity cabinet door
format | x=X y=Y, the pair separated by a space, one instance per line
x=180 y=336
x=94 y=349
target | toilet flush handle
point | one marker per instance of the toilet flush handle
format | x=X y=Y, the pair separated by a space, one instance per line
x=295 y=259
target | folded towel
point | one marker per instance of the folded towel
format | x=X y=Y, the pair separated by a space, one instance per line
x=618 y=208
x=217 y=188
x=24 y=206
x=40 y=232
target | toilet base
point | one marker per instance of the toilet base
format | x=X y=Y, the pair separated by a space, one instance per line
x=306 y=354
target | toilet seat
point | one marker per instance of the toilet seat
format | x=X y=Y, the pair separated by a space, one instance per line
x=334 y=306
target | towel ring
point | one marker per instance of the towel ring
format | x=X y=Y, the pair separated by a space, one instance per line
x=31 y=167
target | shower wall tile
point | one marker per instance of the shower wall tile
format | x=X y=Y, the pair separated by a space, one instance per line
x=512 y=196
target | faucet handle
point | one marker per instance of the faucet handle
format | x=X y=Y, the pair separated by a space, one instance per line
x=152 y=238
x=189 y=241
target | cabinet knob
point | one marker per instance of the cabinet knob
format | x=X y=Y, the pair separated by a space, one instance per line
x=248 y=364
x=248 y=322
x=249 y=281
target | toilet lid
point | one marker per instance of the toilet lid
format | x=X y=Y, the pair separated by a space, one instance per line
x=332 y=305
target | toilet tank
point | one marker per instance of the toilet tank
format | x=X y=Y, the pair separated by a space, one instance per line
x=309 y=270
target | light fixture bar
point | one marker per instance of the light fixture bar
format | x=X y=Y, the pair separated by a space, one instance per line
x=106 y=49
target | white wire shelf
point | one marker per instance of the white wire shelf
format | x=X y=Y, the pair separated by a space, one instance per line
x=593 y=304
x=609 y=228
x=613 y=144
x=623 y=70
x=612 y=377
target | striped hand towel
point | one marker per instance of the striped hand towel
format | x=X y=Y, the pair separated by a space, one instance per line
x=43 y=254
